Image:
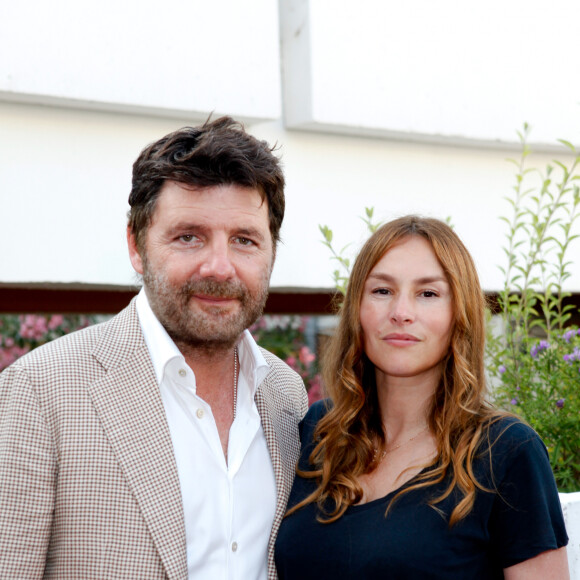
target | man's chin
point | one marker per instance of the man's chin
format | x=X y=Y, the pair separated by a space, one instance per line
x=215 y=320
x=215 y=325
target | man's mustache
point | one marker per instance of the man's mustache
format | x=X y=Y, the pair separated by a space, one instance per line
x=227 y=289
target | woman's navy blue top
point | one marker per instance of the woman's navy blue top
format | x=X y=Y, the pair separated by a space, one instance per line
x=520 y=520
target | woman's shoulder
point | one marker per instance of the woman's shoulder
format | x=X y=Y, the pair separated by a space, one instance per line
x=510 y=442
x=509 y=431
x=316 y=411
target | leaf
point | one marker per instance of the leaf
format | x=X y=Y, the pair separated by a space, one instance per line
x=326 y=232
x=562 y=167
x=568 y=144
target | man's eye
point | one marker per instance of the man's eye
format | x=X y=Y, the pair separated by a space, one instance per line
x=186 y=238
x=244 y=241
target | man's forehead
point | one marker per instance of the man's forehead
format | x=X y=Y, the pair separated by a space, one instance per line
x=172 y=191
x=224 y=206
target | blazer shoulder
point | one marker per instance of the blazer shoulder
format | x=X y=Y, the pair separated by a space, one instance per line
x=279 y=370
x=284 y=385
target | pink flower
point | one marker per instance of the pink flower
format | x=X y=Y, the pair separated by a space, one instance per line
x=33 y=327
x=314 y=393
x=291 y=362
x=55 y=321
x=306 y=357
x=40 y=325
x=8 y=356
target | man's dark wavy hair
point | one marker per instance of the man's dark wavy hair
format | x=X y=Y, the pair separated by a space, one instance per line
x=219 y=152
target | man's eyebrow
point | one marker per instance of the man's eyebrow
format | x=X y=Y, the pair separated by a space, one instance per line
x=250 y=232
x=423 y=280
x=181 y=226
x=200 y=227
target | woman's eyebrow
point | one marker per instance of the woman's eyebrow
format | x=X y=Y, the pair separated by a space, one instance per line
x=423 y=280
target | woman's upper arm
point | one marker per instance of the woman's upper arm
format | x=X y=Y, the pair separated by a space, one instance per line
x=550 y=565
x=526 y=521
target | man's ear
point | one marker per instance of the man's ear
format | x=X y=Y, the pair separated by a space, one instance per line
x=134 y=255
x=273 y=257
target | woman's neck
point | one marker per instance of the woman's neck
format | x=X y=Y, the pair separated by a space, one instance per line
x=404 y=404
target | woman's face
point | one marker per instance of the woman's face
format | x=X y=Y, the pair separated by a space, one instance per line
x=406 y=313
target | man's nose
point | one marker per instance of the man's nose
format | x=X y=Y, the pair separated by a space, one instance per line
x=217 y=261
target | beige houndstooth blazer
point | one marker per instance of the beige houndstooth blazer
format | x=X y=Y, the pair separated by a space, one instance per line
x=88 y=481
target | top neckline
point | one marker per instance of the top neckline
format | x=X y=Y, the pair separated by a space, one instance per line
x=385 y=498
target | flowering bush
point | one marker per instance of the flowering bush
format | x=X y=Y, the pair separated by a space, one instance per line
x=20 y=334
x=541 y=382
x=536 y=359
x=285 y=337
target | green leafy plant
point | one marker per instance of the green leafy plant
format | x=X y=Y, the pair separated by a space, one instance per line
x=535 y=360
x=341 y=274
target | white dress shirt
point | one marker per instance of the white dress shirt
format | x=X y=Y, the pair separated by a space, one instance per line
x=228 y=507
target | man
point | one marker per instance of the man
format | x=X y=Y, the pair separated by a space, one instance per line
x=162 y=444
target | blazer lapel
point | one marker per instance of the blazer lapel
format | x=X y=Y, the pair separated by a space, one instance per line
x=133 y=417
x=281 y=432
x=282 y=485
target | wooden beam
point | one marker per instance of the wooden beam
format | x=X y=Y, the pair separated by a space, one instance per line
x=86 y=299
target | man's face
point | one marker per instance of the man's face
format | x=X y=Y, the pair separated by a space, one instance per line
x=206 y=262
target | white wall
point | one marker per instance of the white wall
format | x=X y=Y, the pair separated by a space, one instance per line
x=429 y=70
x=397 y=106
x=571 y=508
x=177 y=58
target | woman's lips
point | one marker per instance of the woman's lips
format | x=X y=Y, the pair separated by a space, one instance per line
x=399 y=339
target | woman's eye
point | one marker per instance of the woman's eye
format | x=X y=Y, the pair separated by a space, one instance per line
x=381 y=291
x=429 y=293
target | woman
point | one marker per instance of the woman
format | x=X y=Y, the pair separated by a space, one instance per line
x=408 y=472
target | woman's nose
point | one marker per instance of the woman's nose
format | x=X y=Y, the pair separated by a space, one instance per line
x=402 y=310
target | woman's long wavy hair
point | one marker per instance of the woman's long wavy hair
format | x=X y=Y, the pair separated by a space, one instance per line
x=349 y=433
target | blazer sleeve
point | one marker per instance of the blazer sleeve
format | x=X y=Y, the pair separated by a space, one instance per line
x=28 y=470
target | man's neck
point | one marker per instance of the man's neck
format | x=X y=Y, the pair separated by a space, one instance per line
x=215 y=378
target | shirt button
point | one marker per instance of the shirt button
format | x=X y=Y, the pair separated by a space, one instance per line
x=182 y=372
x=199 y=413
x=234 y=546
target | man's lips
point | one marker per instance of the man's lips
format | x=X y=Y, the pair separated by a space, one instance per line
x=213 y=299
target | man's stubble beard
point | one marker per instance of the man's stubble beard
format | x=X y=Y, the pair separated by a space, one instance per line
x=205 y=328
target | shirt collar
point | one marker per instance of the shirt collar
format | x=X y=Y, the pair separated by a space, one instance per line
x=162 y=349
